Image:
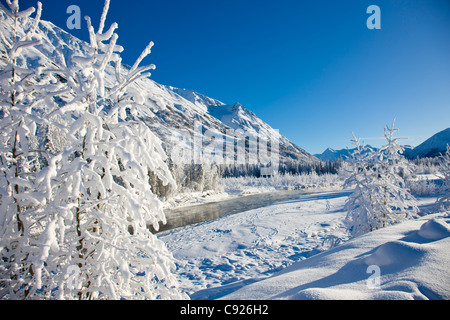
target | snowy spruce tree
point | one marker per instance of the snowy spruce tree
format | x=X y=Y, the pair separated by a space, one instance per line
x=92 y=239
x=380 y=197
x=443 y=200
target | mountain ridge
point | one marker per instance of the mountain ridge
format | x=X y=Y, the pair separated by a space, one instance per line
x=331 y=154
x=432 y=147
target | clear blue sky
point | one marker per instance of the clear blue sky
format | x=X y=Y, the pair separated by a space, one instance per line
x=311 y=69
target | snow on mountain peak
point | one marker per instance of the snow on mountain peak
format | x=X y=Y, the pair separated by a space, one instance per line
x=196 y=98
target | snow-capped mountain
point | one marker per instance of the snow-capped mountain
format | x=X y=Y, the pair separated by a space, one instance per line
x=238 y=117
x=432 y=147
x=331 y=154
x=196 y=98
x=173 y=113
x=177 y=112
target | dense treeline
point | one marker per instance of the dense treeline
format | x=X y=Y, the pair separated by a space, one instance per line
x=203 y=177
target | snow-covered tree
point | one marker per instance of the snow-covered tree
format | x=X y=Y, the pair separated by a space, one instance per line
x=93 y=196
x=443 y=200
x=103 y=190
x=380 y=197
x=360 y=204
x=26 y=91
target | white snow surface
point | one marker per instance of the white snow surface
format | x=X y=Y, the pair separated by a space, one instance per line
x=287 y=251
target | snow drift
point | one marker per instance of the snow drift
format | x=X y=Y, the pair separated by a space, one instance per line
x=412 y=259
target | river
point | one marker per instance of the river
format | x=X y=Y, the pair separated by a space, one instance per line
x=185 y=216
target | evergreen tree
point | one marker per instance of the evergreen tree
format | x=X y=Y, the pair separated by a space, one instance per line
x=380 y=197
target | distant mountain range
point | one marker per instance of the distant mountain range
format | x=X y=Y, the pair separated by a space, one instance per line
x=432 y=147
x=330 y=154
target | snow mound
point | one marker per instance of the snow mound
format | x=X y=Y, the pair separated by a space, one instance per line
x=412 y=259
x=397 y=254
x=434 y=230
x=400 y=290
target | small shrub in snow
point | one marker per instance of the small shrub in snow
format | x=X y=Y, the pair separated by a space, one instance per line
x=280 y=182
x=331 y=241
x=381 y=197
x=424 y=187
x=443 y=200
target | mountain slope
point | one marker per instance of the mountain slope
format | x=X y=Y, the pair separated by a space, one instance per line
x=432 y=147
x=196 y=98
x=237 y=117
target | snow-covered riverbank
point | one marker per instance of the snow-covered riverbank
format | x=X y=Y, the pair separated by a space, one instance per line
x=232 y=188
x=219 y=257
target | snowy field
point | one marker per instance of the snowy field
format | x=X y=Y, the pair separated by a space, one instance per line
x=253 y=254
x=402 y=262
